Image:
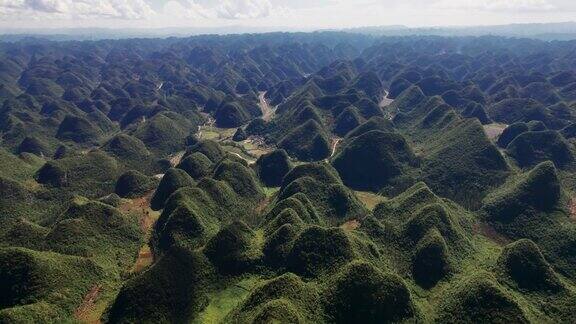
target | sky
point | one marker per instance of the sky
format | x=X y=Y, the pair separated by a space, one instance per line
x=278 y=14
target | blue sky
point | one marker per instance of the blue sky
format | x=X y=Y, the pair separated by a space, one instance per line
x=295 y=14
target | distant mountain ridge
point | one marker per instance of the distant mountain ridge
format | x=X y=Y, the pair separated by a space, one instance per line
x=544 y=31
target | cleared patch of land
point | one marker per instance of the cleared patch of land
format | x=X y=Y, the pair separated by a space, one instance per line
x=256 y=146
x=176 y=158
x=84 y=312
x=572 y=208
x=215 y=133
x=350 y=225
x=384 y=103
x=140 y=208
x=489 y=232
x=249 y=150
x=494 y=130
x=385 y=100
x=98 y=298
x=222 y=302
x=267 y=111
x=369 y=199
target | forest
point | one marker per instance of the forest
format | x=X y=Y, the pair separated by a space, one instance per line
x=325 y=177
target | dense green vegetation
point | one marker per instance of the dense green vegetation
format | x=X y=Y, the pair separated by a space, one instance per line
x=134 y=184
x=145 y=180
x=375 y=160
x=272 y=167
x=531 y=148
x=308 y=142
x=172 y=180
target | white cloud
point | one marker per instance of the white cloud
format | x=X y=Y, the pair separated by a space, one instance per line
x=71 y=9
x=175 y=10
x=244 y=9
x=496 y=5
x=296 y=14
x=232 y=9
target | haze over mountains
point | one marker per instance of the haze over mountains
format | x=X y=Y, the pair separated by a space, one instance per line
x=544 y=31
x=325 y=177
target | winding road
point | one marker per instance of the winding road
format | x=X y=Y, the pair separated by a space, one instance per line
x=334 y=145
x=267 y=111
x=385 y=100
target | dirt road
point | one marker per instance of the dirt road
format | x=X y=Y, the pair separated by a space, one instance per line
x=83 y=312
x=177 y=158
x=335 y=142
x=267 y=111
x=385 y=100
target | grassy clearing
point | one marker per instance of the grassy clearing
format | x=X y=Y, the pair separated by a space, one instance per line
x=210 y=134
x=270 y=192
x=224 y=301
x=369 y=199
x=250 y=148
x=253 y=147
x=215 y=133
x=239 y=153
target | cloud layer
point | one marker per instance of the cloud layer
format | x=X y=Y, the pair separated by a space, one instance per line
x=136 y=9
x=227 y=9
x=496 y=5
x=244 y=9
x=290 y=13
x=77 y=9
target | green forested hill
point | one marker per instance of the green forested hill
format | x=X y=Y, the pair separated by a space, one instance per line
x=296 y=178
